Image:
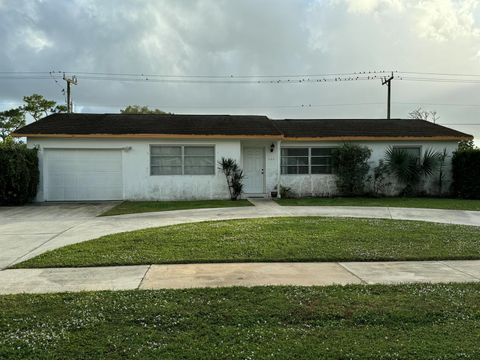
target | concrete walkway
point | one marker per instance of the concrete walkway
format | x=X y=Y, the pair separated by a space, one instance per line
x=28 y=231
x=244 y=274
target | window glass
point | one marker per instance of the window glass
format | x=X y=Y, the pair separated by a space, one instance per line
x=411 y=150
x=321 y=169
x=182 y=160
x=199 y=160
x=199 y=151
x=322 y=151
x=306 y=160
x=294 y=161
x=321 y=160
x=166 y=150
x=295 y=152
x=297 y=160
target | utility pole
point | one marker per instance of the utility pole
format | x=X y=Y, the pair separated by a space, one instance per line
x=70 y=81
x=389 y=85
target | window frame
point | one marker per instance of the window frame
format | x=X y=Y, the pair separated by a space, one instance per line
x=419 y=147
x=297 y=156
x=182 y=157
x=309 y=158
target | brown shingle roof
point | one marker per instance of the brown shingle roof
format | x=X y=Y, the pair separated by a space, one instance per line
x=325 y=128
x=233 y=125
x=123 y=124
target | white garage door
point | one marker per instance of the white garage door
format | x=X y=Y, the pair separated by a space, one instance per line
x=83 y=175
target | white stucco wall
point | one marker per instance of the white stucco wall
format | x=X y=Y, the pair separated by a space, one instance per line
x=138 y=184
x=324 y=185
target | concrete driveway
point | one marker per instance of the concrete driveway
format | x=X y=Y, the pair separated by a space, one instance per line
x=28 y=231
x=26 y=228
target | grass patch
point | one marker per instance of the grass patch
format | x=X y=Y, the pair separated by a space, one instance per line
x=430 y=203
x=420 y=321
x=272 y=239
x=134 y=207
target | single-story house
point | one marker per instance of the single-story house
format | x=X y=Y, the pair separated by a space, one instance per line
x=149 y=156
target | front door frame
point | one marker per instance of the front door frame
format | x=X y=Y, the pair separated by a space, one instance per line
x=264 y=175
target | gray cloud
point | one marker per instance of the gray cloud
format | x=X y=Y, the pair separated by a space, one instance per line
x=246 y=37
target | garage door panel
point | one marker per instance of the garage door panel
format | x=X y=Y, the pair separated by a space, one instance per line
x=83 y=175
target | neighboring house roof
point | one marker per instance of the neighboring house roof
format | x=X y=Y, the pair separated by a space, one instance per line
x=218 y=126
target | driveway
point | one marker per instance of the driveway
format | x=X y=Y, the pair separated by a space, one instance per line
x=26 y=228
x=31 y=230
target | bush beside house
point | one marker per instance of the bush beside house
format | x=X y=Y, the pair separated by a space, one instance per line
x=19 y=173
x=466 y=173
x=350 y=165
x=234 y=176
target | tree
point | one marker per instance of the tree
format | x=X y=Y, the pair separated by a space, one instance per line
x=138 y=109
x=409 y=169
x=234 y=176
x=37 y=106
x=350 y=165
x=11 y=120
x=465 y=145
x=421 y=114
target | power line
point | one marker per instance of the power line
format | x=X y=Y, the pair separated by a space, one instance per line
x=304 y=105
x=438 y=73
x=247 y=79
x=245 y=76
x=229 y=76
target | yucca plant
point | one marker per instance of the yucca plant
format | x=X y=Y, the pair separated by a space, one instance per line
x=234 y=176
x=409 y=169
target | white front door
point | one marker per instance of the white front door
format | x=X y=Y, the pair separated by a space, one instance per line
x=254 y=170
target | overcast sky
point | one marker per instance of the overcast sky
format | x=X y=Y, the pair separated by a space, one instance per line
x=248 y=37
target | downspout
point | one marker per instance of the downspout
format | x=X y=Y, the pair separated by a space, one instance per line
x=278 y=168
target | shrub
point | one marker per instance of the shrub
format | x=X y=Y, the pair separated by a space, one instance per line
x=234 y=176
x=19 y=173
x=466 y=173
x=409 y=169
x=379 y=179
x=350 y=165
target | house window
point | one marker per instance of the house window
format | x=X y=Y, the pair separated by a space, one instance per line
x=294 y=161
x=306 y=160
x=182 y=160
x=411 y=150
x=321 y=160
x=199 y=160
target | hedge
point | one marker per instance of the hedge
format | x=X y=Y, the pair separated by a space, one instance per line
x=19 y=173
x=466 y=174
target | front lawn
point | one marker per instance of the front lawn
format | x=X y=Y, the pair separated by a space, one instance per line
x=272 y=239
x=431 y=203
x=132 y=207
x=420 y=321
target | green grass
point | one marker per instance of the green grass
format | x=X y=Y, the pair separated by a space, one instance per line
x=430 y=203
x=133 y=207
x=272 y=239
x=420 y=321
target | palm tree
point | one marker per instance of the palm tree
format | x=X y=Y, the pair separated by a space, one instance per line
x=234 y=176
x=409 y=169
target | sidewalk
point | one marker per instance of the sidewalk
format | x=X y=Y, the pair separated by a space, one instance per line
x=235 y=274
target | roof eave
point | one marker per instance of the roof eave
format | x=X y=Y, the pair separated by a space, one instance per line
x=150 y=136
x=379 y=138
x=269 y=137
